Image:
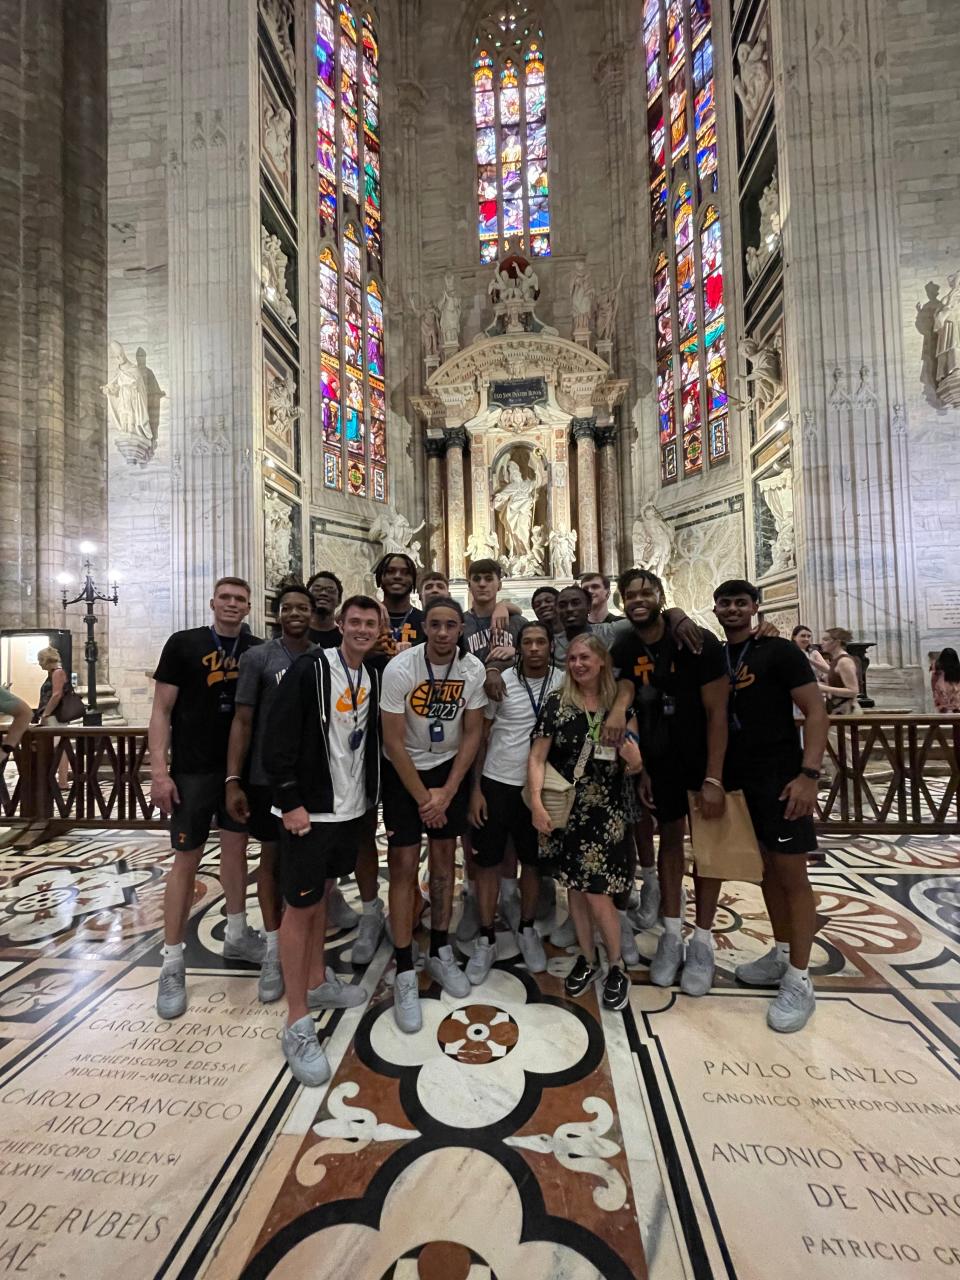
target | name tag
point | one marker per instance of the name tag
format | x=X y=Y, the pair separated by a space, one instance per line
x=605 y=753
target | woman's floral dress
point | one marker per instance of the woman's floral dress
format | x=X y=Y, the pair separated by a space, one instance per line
x=591 y=853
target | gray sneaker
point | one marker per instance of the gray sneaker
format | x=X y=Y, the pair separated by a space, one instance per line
x=469 y=924
x=666 y=964
x=792 y=1007
x=301 y=1048
x=564 y=935
x=481 y=962
x=546 y=898
x=444 y=969
x=765 y=972
x=334 y=994
x=647 y=913
x=406 y=1002
x=369 y=933
x=698 y=967
x=628 y=943
x=509 y=908
x=172 y=991
x=339 y=914
x=531 y=949
x=250 y=946
x=270 y=986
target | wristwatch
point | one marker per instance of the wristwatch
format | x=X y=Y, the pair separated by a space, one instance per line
x=811 y=773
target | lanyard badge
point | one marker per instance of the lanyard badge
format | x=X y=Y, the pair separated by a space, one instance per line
x=225 y=703
x=436 y=725
x=356 y=736
x=733 y=676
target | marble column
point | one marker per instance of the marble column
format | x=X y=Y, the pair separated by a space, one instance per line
x=609 y=468
x=435 y=448
x=583 y=433
x=456 y=441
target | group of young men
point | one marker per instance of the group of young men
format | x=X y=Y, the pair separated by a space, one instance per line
x=430 y=710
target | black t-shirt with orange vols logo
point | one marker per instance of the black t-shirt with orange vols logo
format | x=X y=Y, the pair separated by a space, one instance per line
x=763 y=731
x=204 y=669
x=678 y=675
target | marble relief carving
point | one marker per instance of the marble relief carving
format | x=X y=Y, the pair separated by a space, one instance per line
x=752 y=81
x=280 y=542
x=705 y=552
x=396 y=534
x=273 y=277
x=278 y=18
x=281 y=411
x=653 y=542
x=351 y=559
x=275 y=138
x=777 y=546
x=765 y=372
x=759 y=255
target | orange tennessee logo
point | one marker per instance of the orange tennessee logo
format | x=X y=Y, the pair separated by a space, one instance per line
x=643 y=668
x=345 y=703
x=745 y=678
x=442 y=703
x=220 y=666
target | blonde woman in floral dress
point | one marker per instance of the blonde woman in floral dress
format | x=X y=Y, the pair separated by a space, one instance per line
x=591 y=854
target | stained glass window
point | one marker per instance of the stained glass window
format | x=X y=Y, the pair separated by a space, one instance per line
x=687 y=239
x=510 y=119
x=353 y=393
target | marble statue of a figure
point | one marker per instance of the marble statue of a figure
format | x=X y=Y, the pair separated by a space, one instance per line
x=500 y=288
x=653 y=542
x=281 y=406
x=946 y=326
x=752 y=82
x=607 y=306
x=531 y=565
x=758 y=255
x=515 y=503
x=563 y=549
x=450 y=308
x=126 y=394
x=581 y=298
x=528 y=284
x=482 y=546
x=276 y=134
x=765 y=370
x=396 y=534
x=430 y=330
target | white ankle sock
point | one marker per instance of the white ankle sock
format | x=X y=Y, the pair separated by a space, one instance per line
x=671 y=926
x=783 y=950
x=703 y=935
x=236 y=924
x=798 y=975
x=648 y=874
x=273 y=944
x=172 y=954
x=372 y=907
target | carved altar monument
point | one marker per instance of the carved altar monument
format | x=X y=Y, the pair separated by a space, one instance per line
x=520 y=442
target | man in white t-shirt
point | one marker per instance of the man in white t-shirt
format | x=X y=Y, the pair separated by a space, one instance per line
x=432 y=710
x=497 y=811
x=321 y=752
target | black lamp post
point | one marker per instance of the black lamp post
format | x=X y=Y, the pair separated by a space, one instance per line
x=89 y=595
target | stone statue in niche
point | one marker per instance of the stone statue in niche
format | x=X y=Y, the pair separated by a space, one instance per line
x=946 y=327
x=450 y=309
x=777 y=493
x=753 y=80
x=276 y=135
x=396 y=534
x=515 y=502
x=531 y=565
x=765 y=371
x=277 y=538
x=277 y=17
x=582 y=295
x=563 y=550
x=653 y=542
x=282 y=409
x=760 y=254
x=273 y=277
x=430 y=330
x=608 y=305
x=482 y=546
x=128 y=404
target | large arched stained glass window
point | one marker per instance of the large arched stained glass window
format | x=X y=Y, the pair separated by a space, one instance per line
x=510 y=116
x=352 y=388
x=687 y=242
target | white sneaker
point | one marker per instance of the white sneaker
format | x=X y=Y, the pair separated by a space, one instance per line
x=792 y=1007
x=172 y=991
x=301 y=1048
x=444 y=969
x=564 y=935
x=481 y=962
x=646 y=914
x=339 y=914
x=509 y=908
x=250 y=946
x=628 y=943
x=369 y=933
x=270 y=986
x=767 y=971
x=406 y=1002
x=468 y=925
x=668 y=961
x=531 y=949
x=334 y=994
x=698 y=969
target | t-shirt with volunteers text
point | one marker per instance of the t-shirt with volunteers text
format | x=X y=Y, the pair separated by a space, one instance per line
x=204 y=668
x=477 y=633
x=261 y=670
x=508 y=746
x=761 y=705
x=408 y=690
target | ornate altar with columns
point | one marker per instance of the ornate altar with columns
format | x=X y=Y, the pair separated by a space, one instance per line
x=519 y=429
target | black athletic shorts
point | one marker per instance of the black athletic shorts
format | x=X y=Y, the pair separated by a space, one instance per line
x=507 y=816
x=202 y=798
x=401 y=814
x=308 y=862
x=670 y=783
x=774 y=832
x=263 y=825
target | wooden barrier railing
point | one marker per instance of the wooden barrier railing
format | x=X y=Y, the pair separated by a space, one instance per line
x=894 y=773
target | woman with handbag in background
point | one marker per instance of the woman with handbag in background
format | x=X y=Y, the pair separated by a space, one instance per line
x=59 y=701
x=575 y=786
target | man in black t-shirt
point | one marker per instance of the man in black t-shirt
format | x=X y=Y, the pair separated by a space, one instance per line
x=326 y=592
x=778 y=777
x=680 y=700
x=396 y=576
x=193 y=705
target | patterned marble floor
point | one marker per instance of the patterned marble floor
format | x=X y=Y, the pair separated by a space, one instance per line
x=520 y=1135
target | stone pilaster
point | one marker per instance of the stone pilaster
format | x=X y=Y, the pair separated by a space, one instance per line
x=844 y=355
x=456 y=440
x=435 y=449
x=583 y=433
x=609 y=469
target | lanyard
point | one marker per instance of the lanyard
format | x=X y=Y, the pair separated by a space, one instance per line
x=538 y=704
x=734 y=676
x=594 y=721
x=221 y=649
x=397 y=631
x=433 y=680
x=354 y=688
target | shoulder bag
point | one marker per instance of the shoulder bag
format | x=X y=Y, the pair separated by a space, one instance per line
x=70 y=707
x=557 y=794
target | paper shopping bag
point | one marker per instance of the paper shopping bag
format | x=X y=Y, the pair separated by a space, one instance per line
x=725 y=848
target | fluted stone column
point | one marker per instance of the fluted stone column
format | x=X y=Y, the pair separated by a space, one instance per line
x=583 y=433
x=606 y=438
x=456 y=440
x=435 y=448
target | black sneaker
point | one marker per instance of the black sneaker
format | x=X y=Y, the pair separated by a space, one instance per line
x=616 y=989
x=581 y=976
